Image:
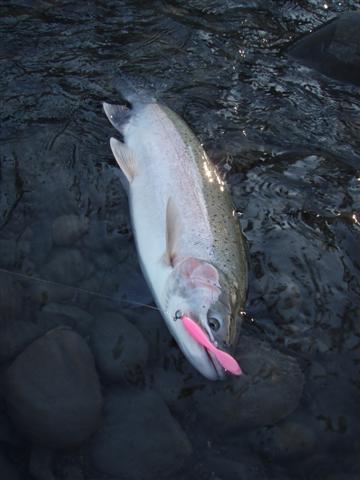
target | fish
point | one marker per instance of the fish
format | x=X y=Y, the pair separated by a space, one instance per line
x=190 y=246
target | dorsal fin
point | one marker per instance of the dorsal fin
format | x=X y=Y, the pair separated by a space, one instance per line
x=125 y=159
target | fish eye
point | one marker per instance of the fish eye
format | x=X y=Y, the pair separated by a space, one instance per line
x=214 y=324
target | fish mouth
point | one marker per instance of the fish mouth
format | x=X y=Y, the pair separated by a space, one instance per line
x=217 y=368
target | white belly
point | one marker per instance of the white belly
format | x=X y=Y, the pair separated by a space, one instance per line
x=165 y=168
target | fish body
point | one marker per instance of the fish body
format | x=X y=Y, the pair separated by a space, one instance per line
x=187 y=234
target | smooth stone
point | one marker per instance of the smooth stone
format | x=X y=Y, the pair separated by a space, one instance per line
x=57 y=314
x=8 y=251
x=15 y=336
x=120 y=350
x=333 y=49
x=40 y=463
x=53 y=392
x=8 y=471
x=66 y=266
x=288 y=439
x=41 y=242
x=8 y=434
x=68 y=229
x=153 y=328
x=41 y=293
x=139 y=439
x=11 y=298
x=332 y=387
x=249 y=467
x=268 y=391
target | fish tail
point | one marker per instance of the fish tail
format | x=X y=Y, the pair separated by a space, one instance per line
x=137 y=90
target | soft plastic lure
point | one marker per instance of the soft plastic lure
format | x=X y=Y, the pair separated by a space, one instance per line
x=226 y=361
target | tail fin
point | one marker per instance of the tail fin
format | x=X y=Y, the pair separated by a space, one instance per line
x=137 y=90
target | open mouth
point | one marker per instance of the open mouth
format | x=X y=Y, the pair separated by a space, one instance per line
x=220 y=371
x=219 y=359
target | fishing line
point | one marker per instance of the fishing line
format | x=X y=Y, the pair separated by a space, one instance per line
x=79 y=289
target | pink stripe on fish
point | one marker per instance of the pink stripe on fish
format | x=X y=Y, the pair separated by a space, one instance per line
x=226 y=361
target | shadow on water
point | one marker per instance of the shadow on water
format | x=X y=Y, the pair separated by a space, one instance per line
x=287 y=137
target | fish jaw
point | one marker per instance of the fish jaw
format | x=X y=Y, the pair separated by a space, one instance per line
x=200 y=358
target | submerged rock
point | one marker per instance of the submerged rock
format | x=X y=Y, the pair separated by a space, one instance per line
x=8 y=252
x=139 y=439
x=289 y=439
x=11 y=298
x=248 y=467
x=119 y=348
x=68 y=229
x=268 y=391
x=8 y=471
x=57 y=314
x=333 y=49
x=15 y=336
x=66 y=266
x=53 y=393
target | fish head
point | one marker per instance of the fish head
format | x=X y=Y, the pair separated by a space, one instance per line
x=202 y=292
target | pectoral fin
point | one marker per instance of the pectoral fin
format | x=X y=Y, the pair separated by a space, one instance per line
x=125 y=159
x=173 y=231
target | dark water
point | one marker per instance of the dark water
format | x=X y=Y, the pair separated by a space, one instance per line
x=288 y=138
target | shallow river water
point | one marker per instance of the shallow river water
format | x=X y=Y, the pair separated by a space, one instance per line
x=287 y=139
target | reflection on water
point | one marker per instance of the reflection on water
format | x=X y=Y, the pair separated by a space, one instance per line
x=287 y=138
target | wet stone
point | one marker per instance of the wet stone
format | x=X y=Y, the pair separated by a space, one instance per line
x=41 y=242
x=8 y=250
x=248 y=467
x=8 y=435
x=333 y=49
x=120 y=350
x=15 y=336
x=139 y=439
x=268 y=391
x=8 y=470
x=11 y=298
x=57 y=314
x=335 y=402
x=68 y=229
x=66 y=266
x=289 y=439
x=53 y=393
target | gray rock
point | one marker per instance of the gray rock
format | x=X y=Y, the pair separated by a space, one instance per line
x=66 y=266
x=333 y=49
x=52 y=391
x=8 y=251
x=68 y=229
x=15 y=336
x=268 y=391
x=248 y=467
x=11 y=298
x=8 y=434
x=119 y=348
x=40 y=463
x=139 y=438
x=335 y=399
x=41 y=242
x=289 y=439
x=8 y=471
x=57 y=314
x=42 y=292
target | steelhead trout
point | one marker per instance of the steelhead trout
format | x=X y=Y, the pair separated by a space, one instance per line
x=190 y=246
